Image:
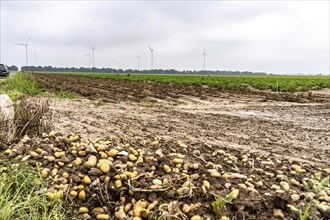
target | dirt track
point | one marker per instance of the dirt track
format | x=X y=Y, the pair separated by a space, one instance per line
x=297 y=131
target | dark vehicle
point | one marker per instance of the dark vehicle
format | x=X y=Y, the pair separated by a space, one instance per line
x=4 y=71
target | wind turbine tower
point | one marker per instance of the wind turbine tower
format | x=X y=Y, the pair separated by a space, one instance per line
x=138 y=60
x=35 y=56
x=26 y=52
x=93 y=48
x=89 y=58
x=204 y=55
x=152 y=57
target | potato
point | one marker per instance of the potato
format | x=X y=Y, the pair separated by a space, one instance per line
x=82 y=195
x=83 y=210
x=91 y=162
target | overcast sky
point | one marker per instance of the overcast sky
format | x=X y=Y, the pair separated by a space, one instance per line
x=267 y=36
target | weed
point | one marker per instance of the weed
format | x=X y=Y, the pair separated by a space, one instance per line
x=318 y=186
x=220 y=202
x=64 y=95
x=302 y=214
x=22 y=195
x=99 y=102
x=174 y=102
x=19 y=84
x=146 y=104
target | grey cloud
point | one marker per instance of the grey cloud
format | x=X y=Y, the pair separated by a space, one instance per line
x=260 y=36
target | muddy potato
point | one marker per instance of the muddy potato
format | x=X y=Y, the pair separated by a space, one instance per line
x=234 y=193
x=73 y=193
x=82 y=195
x=51 y=159
x=45 y=172
x=132 y=157
x=128 y=207
x=133 y=151
x=102 y=216
x=186 y=208
x=120 y=213
x=98 y=210
x=196 y=217
x=83 y=210
x=54 y=172
x=107 y=179
x=167 y=168
x=105 y=168
x=59 y=154
x=103 y=155
x=285 y=185
x=118 y=183
x=295 y=197
x=91 y=162
x=113 y=152
x=87 y=180
x=152 y=205
x=177 y=161
x=131 y=174
x=77 y=161
x=34 y=154
x=65 y=175
x=138 y=207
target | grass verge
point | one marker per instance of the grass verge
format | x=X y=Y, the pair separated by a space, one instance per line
x=22 y=196
x=19 y=84
x=23 y=83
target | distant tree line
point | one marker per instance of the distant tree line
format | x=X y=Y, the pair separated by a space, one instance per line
x=13 y=68
x=129 y=71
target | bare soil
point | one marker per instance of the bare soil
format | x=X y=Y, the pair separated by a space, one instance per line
x=128 y=109
x=220 y=127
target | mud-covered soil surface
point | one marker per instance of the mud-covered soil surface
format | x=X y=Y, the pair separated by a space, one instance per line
x=130 y=109
x=275 y=131
x=111 y=89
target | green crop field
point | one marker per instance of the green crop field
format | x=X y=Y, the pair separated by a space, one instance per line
x=273 y=83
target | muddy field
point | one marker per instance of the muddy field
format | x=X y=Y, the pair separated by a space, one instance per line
x=137 y=110
x=275 y=152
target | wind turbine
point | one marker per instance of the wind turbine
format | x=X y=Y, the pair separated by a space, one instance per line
x=26 y=51
x=204 y=54
x=89 y=56
x=93 y=48
x=138 y=60
x=35 y=56
x=152 y=57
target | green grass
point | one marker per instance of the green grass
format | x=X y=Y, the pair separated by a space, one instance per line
x=22 y=83
x=238 y=83
x=19 y=199
x=64 y=95
x=19 y=84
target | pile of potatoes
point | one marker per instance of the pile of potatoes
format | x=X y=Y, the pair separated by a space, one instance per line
x=106 y=179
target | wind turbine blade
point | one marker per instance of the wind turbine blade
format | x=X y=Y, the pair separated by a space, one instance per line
x=150 y=48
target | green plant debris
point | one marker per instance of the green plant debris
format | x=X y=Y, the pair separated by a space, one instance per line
x=22 y=195
x=220 y=203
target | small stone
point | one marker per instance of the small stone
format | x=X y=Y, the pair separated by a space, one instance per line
x=122 y=153
x=157 y=182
